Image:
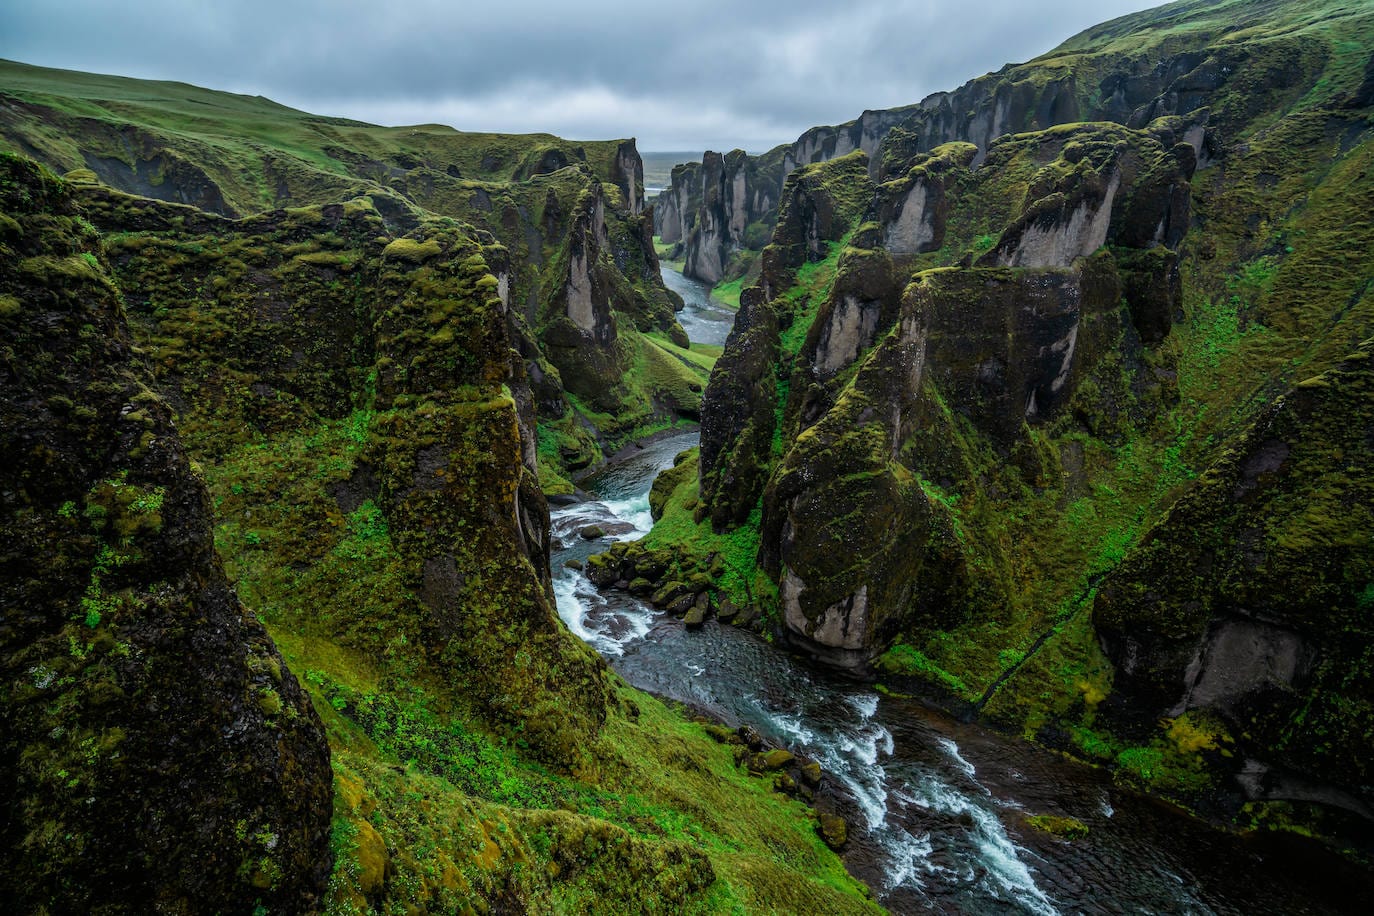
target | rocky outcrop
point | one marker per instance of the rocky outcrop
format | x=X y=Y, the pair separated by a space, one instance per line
x=856 y=546
x=913 y=204
x=675 y=208
x=737 y=423
x=1249 y=601
x=627 y=172
x=819 y=206
x=736 y=190
x=866 y=133
x=879 y=370
x=448 y=456
x=718 y=208
x=158 y=751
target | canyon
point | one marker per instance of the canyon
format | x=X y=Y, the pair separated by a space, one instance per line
x=1046 y=405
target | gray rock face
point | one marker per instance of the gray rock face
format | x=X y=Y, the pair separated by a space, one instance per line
x=709 y=208
x=675 y=208
x=820 y=144
x=627 y=171
x=913 y=229
x=1238 y=657
x=851 y=329
x=1058 y=239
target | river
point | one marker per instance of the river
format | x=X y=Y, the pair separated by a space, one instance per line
x=936 y=807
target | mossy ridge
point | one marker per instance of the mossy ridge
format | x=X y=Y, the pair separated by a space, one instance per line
x=1271 y=293
x=211 y=136
x=132 y=641
x=233 y=155
x=321 y=524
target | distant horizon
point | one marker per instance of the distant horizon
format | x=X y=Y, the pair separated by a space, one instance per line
x=674 y=83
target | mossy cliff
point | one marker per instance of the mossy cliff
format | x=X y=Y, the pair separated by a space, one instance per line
x=265 y=328
x=716 y=213
x=538 y=195
x=355 y=391
x=1054 y=408
x=158 y=751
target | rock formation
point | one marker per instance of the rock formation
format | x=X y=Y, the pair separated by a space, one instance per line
x=1033 y=405
x=158 y=752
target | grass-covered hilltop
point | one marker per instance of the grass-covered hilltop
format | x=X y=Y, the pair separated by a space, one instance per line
x=282 y=399
x=1051 y=400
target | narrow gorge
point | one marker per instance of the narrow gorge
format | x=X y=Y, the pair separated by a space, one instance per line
x=967 y=508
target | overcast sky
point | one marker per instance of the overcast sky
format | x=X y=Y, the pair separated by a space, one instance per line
x=681 y=76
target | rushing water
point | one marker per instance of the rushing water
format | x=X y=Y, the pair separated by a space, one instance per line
x=936 y=808
x=704 y=319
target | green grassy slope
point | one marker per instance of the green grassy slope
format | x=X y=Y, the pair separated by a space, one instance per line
x=55 y=115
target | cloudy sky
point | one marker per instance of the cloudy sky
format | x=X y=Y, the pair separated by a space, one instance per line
x=681 y=76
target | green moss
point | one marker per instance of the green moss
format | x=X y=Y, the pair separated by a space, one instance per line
x=412 y=250
x=728 y=292
x=902 y=659
x=1069 y=828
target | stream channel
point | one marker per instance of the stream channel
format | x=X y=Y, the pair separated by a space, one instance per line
x=936 y=807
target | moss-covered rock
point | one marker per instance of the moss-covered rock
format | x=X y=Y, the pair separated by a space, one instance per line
x=1070 y=828
x=160 y=752
x=1250 y=600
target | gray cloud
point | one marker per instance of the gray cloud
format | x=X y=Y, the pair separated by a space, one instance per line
x=684 y=77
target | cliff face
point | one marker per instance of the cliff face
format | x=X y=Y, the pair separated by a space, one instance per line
x=370 y=387
x=1152 y=74
x=719 y=208
x=534 y=194
x=259 y=328
x=1249 y=606
x=158 y=751
x=1006 y=348
x=1051 y=431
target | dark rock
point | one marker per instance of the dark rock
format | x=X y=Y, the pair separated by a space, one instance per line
x=601 y=570
x=668 y=593
x=748 y=616
x=722 y=734
x=591 y=532
x=775 y=759
x=737 y=415
x=751 y=738
x=151 y=729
